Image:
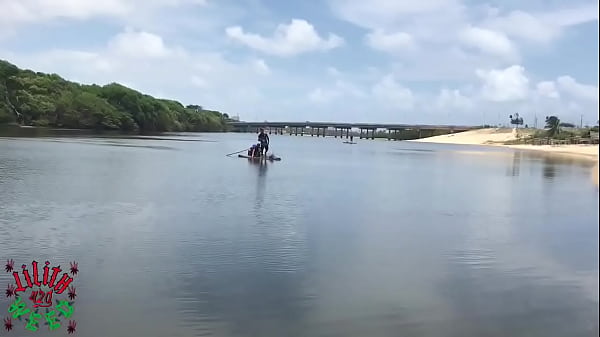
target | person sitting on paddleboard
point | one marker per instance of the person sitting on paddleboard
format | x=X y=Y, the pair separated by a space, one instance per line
x=254 y=151
x=263 y=138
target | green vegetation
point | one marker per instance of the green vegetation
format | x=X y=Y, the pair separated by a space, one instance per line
x=30 y=98
x=557 y=132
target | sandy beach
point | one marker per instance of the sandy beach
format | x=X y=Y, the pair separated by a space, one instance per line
x=474 y=137
x=496 y=137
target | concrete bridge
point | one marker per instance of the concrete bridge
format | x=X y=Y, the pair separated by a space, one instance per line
x=343 y=129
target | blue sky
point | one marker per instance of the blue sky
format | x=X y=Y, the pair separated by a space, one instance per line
x=426 y=61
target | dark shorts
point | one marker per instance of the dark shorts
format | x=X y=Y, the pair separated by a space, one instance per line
x=265 y=147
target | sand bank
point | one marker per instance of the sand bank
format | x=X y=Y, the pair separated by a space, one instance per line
x=474 y=137
x=497 y=137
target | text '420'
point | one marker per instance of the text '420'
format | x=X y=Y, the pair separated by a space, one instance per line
x=45 y=289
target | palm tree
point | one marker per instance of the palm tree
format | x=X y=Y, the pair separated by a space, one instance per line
x=552 y=126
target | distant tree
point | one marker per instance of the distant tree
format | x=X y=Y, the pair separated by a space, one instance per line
x=35 y=98
x=194 y=107
x=516 y=120
x=552 y=126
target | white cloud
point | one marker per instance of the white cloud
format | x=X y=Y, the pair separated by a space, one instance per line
x=576 y=15
x=16 y=13
x=389 y=91
x=488 y=41
x=140 y=45
x=453 y=100
x=547 y=89
x=542 y=26
x=320 y=95
x=297 y=37
x=526 y=26
x=503 y=85
x=568 y=85
x=31 y=11
x=385 y=13
x=261 y=67
x=341 y=89
x=392 y=42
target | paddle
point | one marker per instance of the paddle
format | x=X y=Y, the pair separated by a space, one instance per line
x=227 y=155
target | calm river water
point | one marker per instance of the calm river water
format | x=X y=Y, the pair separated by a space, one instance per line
x=380 y=238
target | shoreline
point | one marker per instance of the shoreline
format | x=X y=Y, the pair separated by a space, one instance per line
x=498 y=137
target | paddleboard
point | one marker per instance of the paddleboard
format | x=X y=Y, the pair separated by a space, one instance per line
x=260 y=158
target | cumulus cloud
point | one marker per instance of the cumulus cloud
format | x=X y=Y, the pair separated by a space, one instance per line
x=22 y=12
x=453 y=100
x=504 y=85
x=545 y=26
x=526 y=26
x=390 y=42
x=389 y=91
x=339 y=90
x=297 y=37
x=385 y=13
x=582 y=91
x=142 y=44
x=320 y=95
x=547 y=89
x=488 y=41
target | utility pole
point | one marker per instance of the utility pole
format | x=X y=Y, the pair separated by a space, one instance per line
x=535 y=121
x=581 y=123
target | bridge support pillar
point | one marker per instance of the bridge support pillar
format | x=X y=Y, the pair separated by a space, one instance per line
x=389 y=134
x=419 y=130
x=302 y=131
x=373 y=134
x=347 y=132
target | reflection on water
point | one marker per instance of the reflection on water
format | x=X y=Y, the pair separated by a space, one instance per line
x=516 y=164
x=549 y=168
x=552 y=165
x=437 y=241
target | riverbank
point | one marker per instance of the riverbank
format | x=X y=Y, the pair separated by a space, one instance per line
x=499 y=136
x=475 y=137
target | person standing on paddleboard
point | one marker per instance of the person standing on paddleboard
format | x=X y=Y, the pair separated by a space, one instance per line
x=263 y=138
